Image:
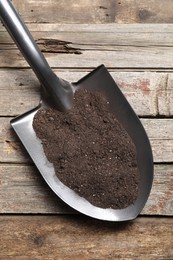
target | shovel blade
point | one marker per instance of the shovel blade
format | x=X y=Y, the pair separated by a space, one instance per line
x=98 y=80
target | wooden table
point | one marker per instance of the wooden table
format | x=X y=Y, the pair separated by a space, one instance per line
x=77 y=36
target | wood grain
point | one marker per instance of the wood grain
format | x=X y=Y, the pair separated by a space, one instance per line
x=97 y=28
x=132 y=50
x=130 y=57
x=23 y=190
x=149 y=93
x=77 y=36
x=108 y=35
x=67 y=237
x=96 y=11
x=158 y=130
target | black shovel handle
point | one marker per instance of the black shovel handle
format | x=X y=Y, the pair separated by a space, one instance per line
x=58 y=89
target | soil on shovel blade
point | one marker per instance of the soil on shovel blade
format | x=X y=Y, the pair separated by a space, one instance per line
x=91 y=152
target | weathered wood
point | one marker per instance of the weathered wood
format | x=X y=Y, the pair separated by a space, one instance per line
x=20 y=91
x=23 y=190
x=149 y=93
x=116 y=50
x=159 y=132
x=10 y=146
x=96 y=11
x=85 y=27
x=161 y=196
x=67 y=237
x=97 y=28
x=121 y=57
x=108 y=35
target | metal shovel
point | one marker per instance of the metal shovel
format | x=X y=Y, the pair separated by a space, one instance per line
x=60 y=93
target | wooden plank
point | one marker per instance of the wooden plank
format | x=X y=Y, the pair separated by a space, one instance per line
x=20 y=91
x=160 y=138
x=52 y=237
x=108 y=35
x=121 y=57
x=10 y=145
x=101 y=28
x=158 y=130
x=133 y=49
x=149 y=93
x=96 y=28
x=160 y=201
x=23 y=190
x=96 y=11
x=144 y=11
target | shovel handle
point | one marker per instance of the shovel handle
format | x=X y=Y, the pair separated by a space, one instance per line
x=58 y=89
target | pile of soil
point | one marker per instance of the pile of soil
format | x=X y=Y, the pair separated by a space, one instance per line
x=91 y=152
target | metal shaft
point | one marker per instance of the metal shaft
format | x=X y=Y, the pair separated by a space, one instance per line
x=59 y=90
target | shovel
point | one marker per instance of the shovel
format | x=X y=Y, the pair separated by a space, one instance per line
x=60 y=94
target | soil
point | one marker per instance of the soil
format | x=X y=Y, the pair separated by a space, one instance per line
x=91 y=152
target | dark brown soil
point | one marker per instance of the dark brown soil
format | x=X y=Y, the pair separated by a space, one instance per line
x=91 y=152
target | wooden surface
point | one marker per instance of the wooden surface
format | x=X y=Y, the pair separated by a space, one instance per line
x=71 y=237
x=96 y=11
x=134 y=40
